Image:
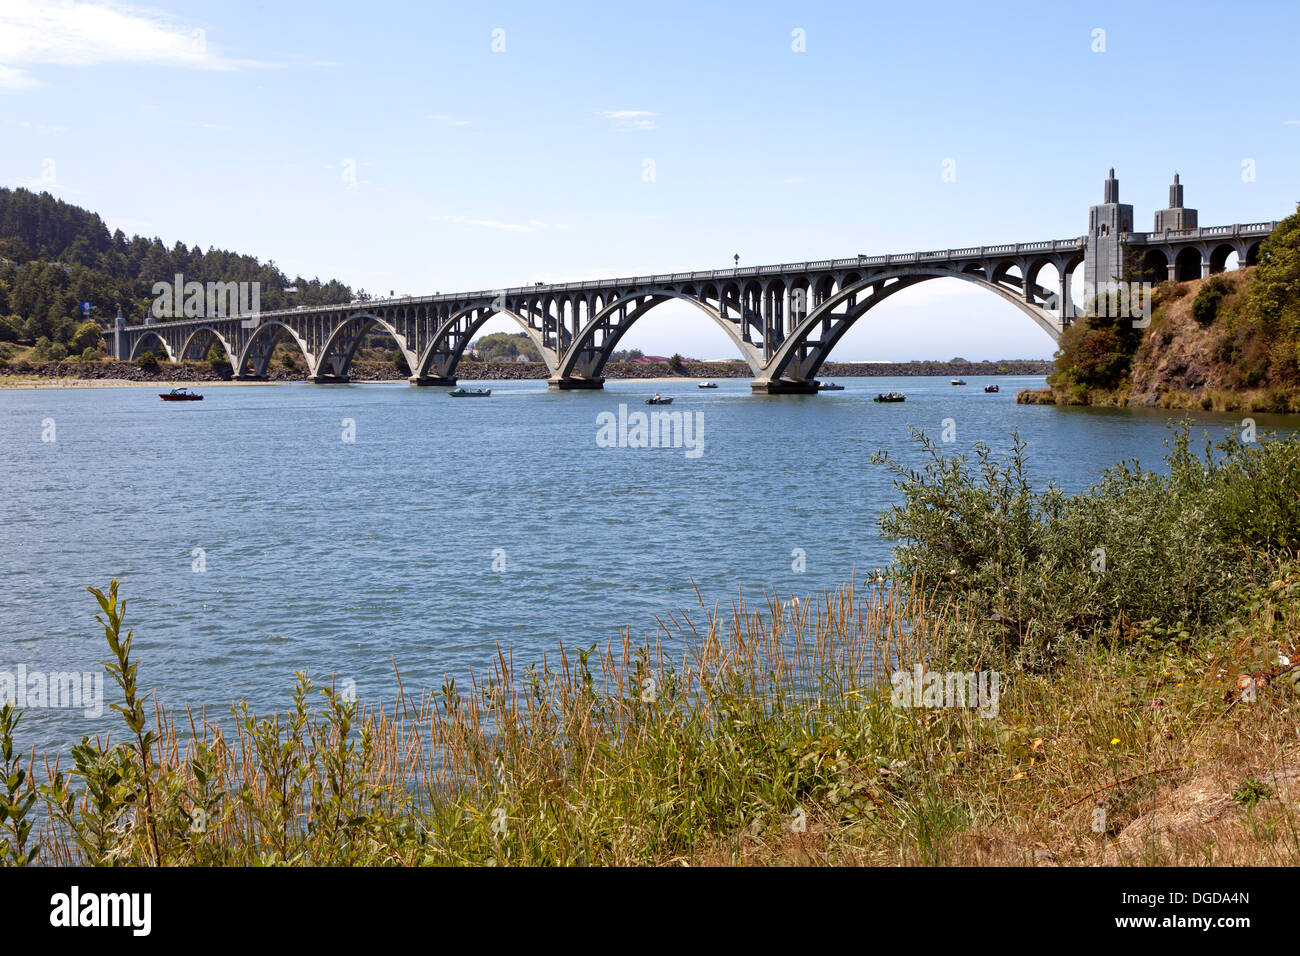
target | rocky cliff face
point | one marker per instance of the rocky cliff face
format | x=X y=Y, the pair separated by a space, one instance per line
x=1178 y=355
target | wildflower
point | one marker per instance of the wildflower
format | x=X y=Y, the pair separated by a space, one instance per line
x=1114 y=741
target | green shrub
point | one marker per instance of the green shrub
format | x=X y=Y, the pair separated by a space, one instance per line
x=87 y=336
x=1205 y=307
x=1137 y=546
x=148 y=361
x=57 y=352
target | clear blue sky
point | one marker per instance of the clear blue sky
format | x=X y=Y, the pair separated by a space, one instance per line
x=388 y=144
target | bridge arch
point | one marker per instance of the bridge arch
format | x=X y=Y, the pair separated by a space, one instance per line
x=448 y=344
x=141 y=346
x=795 y=354
x=255 y=357
x=1154 y=266
x=637 y=305
x=1220 y=256
x=341 y=345
x=199 y=338
x=1187 y=264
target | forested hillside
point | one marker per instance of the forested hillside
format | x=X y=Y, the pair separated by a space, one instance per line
x=54 y=256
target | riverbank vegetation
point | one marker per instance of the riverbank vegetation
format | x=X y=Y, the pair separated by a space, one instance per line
x=1145 y=711
x=1230 y=342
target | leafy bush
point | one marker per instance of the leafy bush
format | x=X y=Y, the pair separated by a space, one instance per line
x=1137 y=546
x=1205 y=307
x=1096 y=351
x=148 y=361
x=57 y=352
x=217 y=360
x=87 y=336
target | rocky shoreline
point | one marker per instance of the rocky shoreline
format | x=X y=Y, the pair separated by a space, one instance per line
x=111 y=370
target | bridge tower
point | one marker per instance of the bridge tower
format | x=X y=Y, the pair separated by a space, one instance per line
x=1107 y=224
x=119 y=327
x=1177 y=216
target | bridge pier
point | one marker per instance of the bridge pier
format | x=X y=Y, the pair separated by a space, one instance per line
x=782 y=386
x=431 y=380
x=569 y=384
x=326 y=379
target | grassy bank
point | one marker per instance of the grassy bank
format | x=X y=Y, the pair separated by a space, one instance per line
x=775 y=732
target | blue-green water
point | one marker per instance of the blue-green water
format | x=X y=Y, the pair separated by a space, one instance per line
x=344 y=557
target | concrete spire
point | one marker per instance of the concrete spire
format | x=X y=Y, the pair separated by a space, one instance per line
x=1111 y=193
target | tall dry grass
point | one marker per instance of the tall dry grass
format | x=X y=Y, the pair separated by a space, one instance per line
x=760 y=734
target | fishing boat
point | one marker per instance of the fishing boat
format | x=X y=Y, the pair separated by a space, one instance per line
x=890 y=397
x=959 y=381
x=829 y=387
x=470 y=392
x=180 y=395
x=990 y=388
x=708 y=385
x=658 y=400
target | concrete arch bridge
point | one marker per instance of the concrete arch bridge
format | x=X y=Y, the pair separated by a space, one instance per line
x=784 y=320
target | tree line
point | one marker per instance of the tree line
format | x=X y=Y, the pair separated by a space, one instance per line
x=54 y=256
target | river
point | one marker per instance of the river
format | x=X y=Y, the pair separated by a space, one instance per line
x=252 y=539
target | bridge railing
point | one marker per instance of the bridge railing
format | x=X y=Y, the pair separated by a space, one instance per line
x=1250 y=229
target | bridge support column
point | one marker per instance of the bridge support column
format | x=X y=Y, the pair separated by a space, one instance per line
x=431 y=380
x=781 y=386
x=571 y=384
x=326 y=379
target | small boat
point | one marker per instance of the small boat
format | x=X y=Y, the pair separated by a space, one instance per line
x=959 y=381
x=829 y=387
x=990 y=388
x=891 y=397
x=180 y=395
x=657 y=400
x=708 y=385
x=470 y=392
